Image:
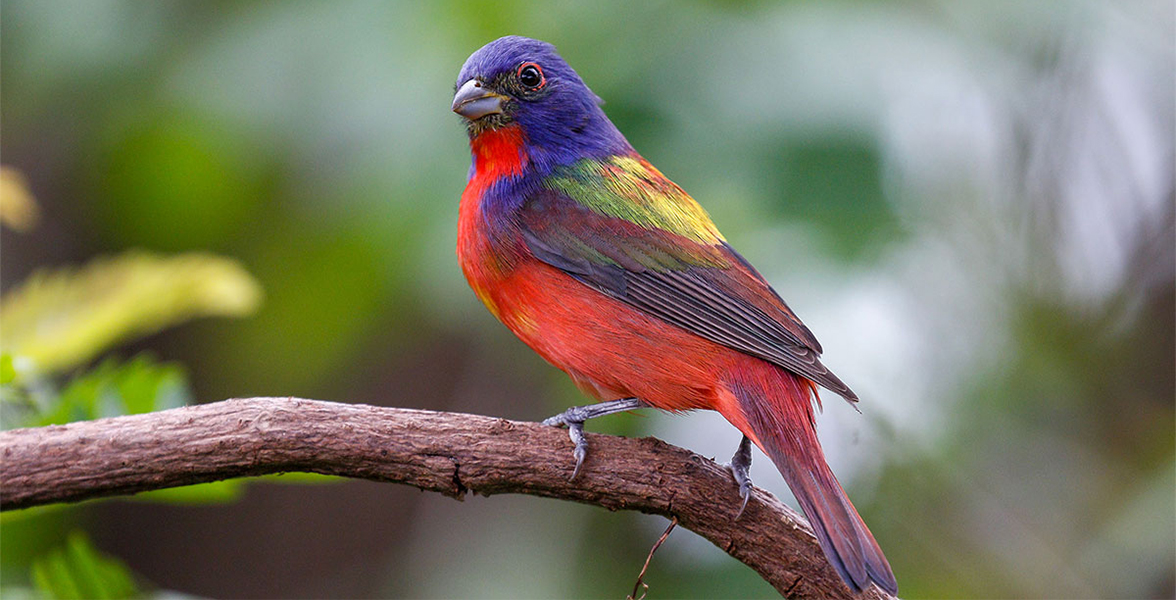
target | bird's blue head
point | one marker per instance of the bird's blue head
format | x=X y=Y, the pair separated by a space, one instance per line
x=518 y=81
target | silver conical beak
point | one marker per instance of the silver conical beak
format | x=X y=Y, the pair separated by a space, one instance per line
x=474 y=101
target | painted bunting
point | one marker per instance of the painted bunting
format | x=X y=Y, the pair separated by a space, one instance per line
x=616 y=276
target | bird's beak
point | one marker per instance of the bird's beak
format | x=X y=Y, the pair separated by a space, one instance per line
x=474 y=101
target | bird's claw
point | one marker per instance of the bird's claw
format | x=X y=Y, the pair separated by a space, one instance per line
x=566 y=418
x=740 y=467
x=575 y=424
x=745 y=492
x=574 y=417
x=576 y=432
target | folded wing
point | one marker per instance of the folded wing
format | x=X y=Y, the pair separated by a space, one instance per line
x=622 y=228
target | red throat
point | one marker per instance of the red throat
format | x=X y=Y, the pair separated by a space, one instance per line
x=498 y=153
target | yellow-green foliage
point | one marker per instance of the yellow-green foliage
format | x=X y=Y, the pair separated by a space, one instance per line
x=18 y=210
x=62 y=318
x=79 y=570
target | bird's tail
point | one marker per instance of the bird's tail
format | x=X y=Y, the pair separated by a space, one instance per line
x=779 y=412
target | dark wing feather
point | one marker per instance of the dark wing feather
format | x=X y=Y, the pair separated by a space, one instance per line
x=706 y=289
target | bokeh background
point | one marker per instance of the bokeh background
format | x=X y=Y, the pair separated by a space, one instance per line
x=970 y=203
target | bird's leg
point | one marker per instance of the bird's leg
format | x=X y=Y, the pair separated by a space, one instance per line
x=740 y=466
x=575 y=416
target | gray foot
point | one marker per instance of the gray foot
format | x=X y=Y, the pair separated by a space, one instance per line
x=575 y=416
x=740 y=466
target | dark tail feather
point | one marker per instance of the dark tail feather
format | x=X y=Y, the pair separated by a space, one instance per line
x=847 y=542
x=792 y=445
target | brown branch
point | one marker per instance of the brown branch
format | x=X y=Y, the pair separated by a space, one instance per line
x=449 y=453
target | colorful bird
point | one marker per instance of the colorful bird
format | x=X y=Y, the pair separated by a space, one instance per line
x=616 y=276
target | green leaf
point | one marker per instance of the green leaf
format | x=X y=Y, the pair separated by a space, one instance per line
x=63 y=318
x=79 y=570
x=216 y=492
x=140 y=385
x=7 y=370
x=51 y=575
x=229 y=490
x=300 y=477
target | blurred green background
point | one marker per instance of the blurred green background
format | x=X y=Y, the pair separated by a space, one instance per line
x=970 y=203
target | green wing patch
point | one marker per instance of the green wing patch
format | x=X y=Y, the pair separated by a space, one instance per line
x=630 y=188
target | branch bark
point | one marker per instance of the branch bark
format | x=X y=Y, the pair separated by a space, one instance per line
x=450 y=453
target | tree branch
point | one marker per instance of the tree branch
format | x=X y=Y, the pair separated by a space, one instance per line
x=450 y=453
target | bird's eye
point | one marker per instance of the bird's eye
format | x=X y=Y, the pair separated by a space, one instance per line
x=531 y=76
